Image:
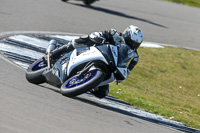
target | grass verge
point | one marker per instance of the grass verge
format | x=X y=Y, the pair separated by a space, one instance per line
x=165 y=82
x=194 y=3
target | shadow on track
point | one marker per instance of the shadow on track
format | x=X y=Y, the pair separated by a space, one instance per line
x=57 y=90
x=117 y=110
x=117 y=13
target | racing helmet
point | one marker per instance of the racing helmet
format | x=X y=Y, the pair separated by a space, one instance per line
x=133 y=36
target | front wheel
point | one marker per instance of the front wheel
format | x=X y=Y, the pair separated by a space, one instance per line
x=34 y=72
x=77 y=85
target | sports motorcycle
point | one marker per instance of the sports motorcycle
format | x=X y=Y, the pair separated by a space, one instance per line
x=83 y=69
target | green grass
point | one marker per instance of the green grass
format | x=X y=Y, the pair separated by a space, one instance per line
x=194 y=3
x=165 y=82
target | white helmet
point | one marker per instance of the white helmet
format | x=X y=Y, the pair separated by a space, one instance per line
x=133 y=36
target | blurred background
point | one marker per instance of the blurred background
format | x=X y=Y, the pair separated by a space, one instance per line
x=161 y=21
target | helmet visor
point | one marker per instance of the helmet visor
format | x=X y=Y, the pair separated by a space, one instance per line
x=131 y=43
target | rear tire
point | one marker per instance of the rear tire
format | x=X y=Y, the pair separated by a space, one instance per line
x=34 y=72
x=78 y=85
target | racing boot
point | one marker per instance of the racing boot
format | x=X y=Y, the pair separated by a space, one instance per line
x=101 y=91
x=52 y=45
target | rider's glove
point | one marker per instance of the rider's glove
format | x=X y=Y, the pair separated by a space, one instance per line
x=97 y=38
x=108 y=34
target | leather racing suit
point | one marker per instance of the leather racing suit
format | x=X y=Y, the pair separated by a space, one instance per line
x=127 y=57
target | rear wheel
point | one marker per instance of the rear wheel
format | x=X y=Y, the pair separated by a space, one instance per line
x=34 y=72
x=77 y=85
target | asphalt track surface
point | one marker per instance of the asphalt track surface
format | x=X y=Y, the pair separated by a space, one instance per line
x=25 y=107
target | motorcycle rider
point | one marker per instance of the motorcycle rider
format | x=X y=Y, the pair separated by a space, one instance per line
x=127 y=42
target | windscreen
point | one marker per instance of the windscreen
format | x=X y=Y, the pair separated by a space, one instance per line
x=126 y=54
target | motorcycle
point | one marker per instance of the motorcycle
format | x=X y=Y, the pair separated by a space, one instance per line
x=87 y=2
x=81 y=70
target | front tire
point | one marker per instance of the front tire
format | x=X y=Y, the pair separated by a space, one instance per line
x=77 y=85
x=34 y=72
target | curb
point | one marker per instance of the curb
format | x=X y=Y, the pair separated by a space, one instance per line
x=108 y=98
